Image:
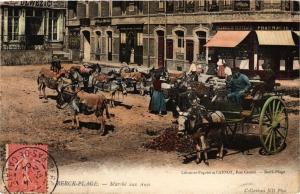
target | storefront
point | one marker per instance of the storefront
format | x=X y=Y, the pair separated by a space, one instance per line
x=250 y=46
x=131 y=43
x=32 y=25
x=276 y=48
x=233 y=47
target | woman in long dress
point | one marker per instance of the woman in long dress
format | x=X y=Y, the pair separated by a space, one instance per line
x=132 y=56
x=157 y=102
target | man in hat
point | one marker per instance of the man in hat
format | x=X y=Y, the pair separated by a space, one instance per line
x=239 y=85
x=268 y=77
x=55 y=64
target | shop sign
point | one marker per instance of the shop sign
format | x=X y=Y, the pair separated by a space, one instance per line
x=38 y=4
x=103 y=21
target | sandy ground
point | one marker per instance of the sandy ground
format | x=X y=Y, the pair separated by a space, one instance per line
x=26 y=119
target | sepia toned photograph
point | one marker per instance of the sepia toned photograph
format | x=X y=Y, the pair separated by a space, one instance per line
x=159 y=96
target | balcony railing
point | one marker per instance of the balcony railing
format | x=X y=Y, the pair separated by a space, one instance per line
x=73 y=22
x=23 y=42
x=102 y=21
x=84 y=22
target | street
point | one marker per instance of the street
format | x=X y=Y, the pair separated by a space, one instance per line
x=26 y=119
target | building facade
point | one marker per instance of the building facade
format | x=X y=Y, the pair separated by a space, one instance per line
x=162 y=33
x=173 y=33
x=31 y=26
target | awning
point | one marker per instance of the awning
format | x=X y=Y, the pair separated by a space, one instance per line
x=227 y=39
x=279 y=38
x=297 y=32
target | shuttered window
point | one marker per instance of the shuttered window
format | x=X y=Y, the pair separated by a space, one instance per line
x=81 y=10
x=93 y=9
x=169 y=49
x=123 y=37
x=140 y=39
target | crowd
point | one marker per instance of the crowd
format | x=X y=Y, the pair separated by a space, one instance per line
x=238 y=84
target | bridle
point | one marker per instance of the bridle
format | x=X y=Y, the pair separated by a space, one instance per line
x=73 y=96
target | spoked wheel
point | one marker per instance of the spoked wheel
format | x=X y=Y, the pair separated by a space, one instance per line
x=273 y=124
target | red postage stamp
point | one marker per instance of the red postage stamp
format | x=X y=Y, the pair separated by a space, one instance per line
x=26 y=168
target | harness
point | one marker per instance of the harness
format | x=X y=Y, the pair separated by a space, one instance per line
x=73 y=96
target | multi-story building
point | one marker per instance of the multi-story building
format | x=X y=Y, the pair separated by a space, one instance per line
x=164 y=33
x=174 y=33
x=36 y=27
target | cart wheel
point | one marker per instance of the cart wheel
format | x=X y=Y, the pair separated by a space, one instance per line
x=273 y=124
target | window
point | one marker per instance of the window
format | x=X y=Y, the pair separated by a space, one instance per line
x=13 y=24
x=169 y=53
x=72 y=9
x=29 y=12
x=74 y=40
x=161 y=5
x=98 y=45
x=242 y=5
x=123 y=37
x=285 y=5
x=296 y=6
x=227 y=5
x=258 y=5
x=180 y=6
x=202 y=41
x=109 y=34
x=110 y=8
x=140 y=6
x=140 y=39
x=180 y=39
x=53 y=17
x=213 y=5
x=170 y=6
x=109 y=44
x=38 y=13
x=131 y=6
x=201 y=5
x=190 y=6
x=93 y=9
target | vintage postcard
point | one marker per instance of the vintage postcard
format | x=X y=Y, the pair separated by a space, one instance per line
x=161 y=96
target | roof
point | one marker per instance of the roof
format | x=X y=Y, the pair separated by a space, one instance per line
x=279 y=38
x=227 y=39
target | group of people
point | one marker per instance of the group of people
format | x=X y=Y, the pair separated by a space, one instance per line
x=237 y=82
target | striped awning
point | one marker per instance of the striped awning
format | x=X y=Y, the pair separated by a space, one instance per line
x=278 y=38
x=228 y=39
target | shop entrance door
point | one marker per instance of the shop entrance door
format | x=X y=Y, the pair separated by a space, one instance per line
x=189 y=50
x=161 y=49
x=86 y=45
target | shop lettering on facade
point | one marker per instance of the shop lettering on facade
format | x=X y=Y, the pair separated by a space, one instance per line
x=36 y=3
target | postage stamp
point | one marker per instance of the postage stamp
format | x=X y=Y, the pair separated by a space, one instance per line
x=29 y=168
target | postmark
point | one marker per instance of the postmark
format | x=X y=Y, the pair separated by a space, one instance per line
x=29 y=168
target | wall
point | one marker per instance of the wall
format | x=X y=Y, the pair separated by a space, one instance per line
x=25 y=57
